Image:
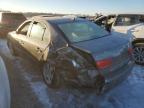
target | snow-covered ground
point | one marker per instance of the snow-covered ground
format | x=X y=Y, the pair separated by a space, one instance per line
x=129 y=94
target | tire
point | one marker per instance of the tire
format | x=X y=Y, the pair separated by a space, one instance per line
x=138 y=54
x=11 y=49
x=51 y=76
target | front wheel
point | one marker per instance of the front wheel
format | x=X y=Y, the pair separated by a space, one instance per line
x=51 y=76
x=138 y=54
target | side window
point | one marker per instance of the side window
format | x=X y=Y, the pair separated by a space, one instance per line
x=24 y=29
x=37 y=31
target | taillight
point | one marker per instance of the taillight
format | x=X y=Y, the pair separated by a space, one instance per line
x=101 y=64
x=130 y=50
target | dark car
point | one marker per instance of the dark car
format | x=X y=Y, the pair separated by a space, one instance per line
x=9 y=22
x=73 y=50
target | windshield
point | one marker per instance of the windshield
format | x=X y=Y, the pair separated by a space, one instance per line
x=127 y=20
x=82 y=31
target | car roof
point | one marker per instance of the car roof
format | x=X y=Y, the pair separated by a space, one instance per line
x=58 y=19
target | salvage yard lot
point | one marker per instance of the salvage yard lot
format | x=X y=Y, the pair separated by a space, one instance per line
x=28 y=89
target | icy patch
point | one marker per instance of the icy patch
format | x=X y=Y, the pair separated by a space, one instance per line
x=66 y=97
x=137 y=75
x=4 y=48
x=40 y=89
x=130 y=93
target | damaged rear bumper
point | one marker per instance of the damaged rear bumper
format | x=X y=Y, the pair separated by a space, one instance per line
x=101 y=82
x=122 y=76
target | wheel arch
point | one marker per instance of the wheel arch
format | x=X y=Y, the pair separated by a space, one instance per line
x=139 y=41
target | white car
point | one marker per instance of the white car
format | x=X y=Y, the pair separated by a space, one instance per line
x=4 y=86
x=130 y=24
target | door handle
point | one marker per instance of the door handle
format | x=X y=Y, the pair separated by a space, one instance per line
x=38 y=50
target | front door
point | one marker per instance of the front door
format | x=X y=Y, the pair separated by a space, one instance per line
x=21 y=37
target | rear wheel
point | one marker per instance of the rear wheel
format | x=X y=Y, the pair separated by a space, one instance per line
x=138 y=54
x=51 y=76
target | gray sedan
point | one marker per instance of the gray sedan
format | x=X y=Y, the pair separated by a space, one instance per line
x=73 y=50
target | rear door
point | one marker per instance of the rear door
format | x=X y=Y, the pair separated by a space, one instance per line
x=38 y=41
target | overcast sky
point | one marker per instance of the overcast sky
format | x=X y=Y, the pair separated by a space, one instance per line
x=74 y=6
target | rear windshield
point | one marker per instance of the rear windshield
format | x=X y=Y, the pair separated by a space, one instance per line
x=82 y=31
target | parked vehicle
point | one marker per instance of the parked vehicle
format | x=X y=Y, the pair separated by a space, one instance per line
x=9 y=22
x=133 y=26
x=73 y=50
x=106 y=21
x=4 y=87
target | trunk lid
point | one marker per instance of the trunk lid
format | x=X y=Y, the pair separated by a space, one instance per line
x=112 y=46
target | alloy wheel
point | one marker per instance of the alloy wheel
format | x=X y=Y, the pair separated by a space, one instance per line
x=138 y=55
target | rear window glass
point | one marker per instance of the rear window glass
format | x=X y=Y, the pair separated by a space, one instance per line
x=82 y=31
